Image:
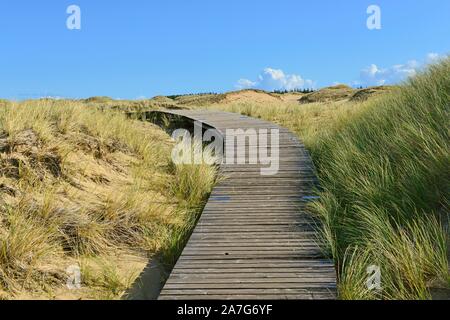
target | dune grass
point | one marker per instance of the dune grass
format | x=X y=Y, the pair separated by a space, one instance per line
x=81 y=186
x=88 y=187
x=384 y=170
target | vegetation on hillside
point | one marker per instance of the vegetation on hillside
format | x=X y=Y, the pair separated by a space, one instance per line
x=88 y=188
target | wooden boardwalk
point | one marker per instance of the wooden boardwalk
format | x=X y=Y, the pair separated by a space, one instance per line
x=255 y=239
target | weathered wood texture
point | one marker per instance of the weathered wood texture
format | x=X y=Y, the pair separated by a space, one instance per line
x=255 y=238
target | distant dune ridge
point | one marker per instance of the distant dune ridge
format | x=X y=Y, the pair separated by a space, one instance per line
x=327 y=94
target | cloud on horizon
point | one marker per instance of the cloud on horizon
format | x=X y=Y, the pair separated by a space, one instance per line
x=373 y=75
x=272 y=79
x=275 y=79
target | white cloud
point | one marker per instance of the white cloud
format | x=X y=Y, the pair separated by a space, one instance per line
x=275 y=79
x=245 y=83
x=376 y=76
x=433 y=57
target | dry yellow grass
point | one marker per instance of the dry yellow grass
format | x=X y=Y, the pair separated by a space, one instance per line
x=80 y=186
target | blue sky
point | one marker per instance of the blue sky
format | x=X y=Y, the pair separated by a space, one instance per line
x=141 y=48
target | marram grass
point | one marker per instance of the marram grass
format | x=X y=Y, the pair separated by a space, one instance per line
x=80 y=186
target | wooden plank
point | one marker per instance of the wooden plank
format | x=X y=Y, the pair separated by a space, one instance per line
x=249 y=297
x=178 y=280
x=294 y=255
x=253 y=272
x=329 y=284
x=263 y=236
x=255 y=263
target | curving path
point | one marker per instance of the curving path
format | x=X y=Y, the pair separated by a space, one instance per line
x=255 y=238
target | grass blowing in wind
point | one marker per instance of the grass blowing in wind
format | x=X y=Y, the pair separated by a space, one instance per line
x=386 y=187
